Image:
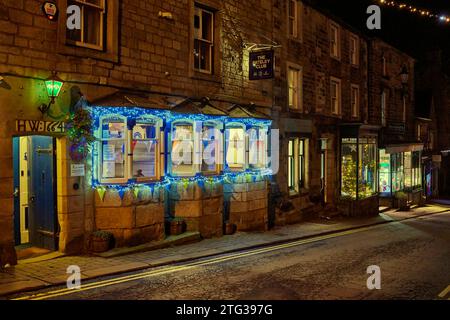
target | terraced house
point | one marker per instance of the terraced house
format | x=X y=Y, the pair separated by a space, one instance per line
x=181 y=97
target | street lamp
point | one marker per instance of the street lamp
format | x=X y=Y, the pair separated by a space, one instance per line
x=53 y=84
x=404 y=74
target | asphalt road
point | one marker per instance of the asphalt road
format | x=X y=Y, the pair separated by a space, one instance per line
x=413 y=256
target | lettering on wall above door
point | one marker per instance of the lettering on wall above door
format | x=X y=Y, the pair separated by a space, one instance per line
x=40 y=126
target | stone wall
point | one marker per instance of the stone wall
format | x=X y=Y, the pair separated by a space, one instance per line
x=248 y=204
x=200 y=207
x=132 y=220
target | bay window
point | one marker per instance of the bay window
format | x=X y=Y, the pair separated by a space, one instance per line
x=211 y=148
x=235 y=147
x=183 y=149
x=258 y=143
x=367 y=168
x=397 y=163
x=146 y=149
x=113 y=149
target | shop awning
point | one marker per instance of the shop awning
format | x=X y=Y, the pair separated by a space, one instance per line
x=398 y=148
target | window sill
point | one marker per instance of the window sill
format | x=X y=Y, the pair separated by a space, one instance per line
x=210 y=77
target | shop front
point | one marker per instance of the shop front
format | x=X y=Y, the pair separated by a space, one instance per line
x=358 y=165
x=400 y=176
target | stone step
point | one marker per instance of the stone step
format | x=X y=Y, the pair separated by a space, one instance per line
x=184 y=238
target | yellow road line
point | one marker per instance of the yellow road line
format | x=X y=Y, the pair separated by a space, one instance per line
x=170 y=269
x=445 y=292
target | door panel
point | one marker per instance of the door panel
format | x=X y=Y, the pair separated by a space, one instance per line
x=16 y=190
x=42 y=194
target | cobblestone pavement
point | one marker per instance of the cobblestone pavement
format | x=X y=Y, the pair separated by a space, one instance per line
x=41 y=274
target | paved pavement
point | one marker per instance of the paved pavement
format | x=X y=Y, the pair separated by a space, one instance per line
x=53 y=272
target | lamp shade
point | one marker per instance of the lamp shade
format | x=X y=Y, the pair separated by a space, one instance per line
x=53 y=85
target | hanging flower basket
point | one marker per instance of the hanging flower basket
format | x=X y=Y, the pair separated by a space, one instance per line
x=80 y=135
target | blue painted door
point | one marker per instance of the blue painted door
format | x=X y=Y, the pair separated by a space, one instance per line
x=16 y=191
x=43 y=223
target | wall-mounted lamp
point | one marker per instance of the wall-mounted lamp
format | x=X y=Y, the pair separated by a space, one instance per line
x=165 y=15
x=53 y=85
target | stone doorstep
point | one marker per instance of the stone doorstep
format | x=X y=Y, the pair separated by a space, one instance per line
x=184 y=238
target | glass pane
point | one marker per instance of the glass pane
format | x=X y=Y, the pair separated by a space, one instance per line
x=113 y=159
x=235 y=148
x=349 y=164
x=183 y=149
x=92 y=25
x=113 y=129
x=408 y=172
x=197 y=54
x=144 y=158
x=367 y=170
x=385 y=172
x=209 y=143
x=144 y=131
x=257 y=147
x=207 y=26
x=205 y=56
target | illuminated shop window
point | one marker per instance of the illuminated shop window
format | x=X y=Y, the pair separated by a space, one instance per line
x=367 y=168
x=92 y=23
x=385 y=172
x=113 y=149
x=296 y=165
x=183 y=149
x=416 y=170
x=397 y=164
x=258 y=143
x=211 y=148
x=235 y=147
x=146 y=149
x=358 y=167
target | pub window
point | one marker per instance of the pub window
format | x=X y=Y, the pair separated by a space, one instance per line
x=355 y=100
x=258 y=140
x=354 y=50
x=293 y=18
x=235 y=147
x=211 y=150
x=145 y=149
x=203 y=40
x=91 y=33
x=113 y=149
x=183 y=149
x=296 y=165
x=335 y=89
x=295 y=88
x=334 y=41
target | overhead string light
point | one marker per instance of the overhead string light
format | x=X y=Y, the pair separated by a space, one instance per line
x=442 y=18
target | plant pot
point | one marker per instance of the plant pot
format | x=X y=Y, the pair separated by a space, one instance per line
x=99 y=245
x=176 y=227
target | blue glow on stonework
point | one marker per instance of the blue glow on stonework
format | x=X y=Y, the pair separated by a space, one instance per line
x=132 y=113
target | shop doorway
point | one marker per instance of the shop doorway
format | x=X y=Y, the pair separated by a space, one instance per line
x=35 y=192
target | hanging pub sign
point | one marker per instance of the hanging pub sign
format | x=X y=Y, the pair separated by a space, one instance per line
x=261 y=65
x=50 y=10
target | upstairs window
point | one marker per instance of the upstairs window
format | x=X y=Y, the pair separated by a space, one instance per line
x=335 y=90
x=235 y=147
x=354 y=50
x=203 y=40
x=113 y=149
x=293 y=18
x=92 y=18
x=146 y=149
x=334 y=41
x=355 y=100
x=294 y=88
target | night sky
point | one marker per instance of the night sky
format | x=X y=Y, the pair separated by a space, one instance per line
x=412 y=33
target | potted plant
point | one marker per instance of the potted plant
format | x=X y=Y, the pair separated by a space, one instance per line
x=175 y=226
x=101 y=241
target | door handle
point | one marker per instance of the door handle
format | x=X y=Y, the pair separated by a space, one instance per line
x=33 y=199
x=16 y=192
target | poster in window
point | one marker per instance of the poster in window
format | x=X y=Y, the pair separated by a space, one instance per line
x=109 y=169
x=109 y=152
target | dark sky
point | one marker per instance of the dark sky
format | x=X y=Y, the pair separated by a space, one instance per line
x=412 y=33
